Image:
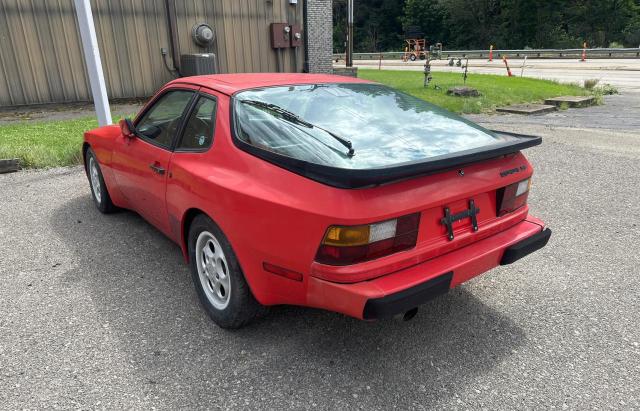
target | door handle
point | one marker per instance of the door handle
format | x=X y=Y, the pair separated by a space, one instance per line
x=157 y=168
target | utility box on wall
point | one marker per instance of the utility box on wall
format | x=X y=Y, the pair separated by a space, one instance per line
x=280 y=35
x=296 y=35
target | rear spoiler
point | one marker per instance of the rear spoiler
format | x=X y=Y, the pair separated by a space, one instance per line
x=361 y=178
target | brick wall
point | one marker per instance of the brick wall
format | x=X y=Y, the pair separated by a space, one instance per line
x=319 y=31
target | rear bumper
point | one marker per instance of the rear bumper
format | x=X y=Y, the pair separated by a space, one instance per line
x=526 y=247
x=407 y=299
x=402 y=290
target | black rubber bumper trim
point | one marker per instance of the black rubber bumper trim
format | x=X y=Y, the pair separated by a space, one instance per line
x=526 y=247
x=405 y=300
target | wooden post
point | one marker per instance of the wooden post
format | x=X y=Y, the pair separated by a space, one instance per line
x=506 y=63
x=524 y=63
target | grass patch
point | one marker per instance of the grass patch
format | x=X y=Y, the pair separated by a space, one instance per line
x=496 y=90
x=45 y=144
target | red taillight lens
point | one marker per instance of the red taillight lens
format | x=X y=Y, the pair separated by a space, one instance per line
x=512 y=197
x=344 y=245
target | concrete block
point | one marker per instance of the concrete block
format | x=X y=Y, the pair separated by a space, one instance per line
x=463 y=92
x=572 y=101
x=527 y=109
x=9 y=165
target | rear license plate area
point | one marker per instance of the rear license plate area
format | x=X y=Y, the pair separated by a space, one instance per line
x=469 y=215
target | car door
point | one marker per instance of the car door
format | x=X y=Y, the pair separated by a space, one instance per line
x=140 y=164
x=191 y=159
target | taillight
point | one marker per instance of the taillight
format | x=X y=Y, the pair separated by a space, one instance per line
x=512 y=197
x=343 y=245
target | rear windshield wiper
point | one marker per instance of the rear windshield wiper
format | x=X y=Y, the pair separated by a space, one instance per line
x=296 y=119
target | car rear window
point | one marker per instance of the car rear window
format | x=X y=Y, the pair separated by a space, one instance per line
x=353 y=126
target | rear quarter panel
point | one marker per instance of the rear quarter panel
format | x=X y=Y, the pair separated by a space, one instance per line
x=263 y=212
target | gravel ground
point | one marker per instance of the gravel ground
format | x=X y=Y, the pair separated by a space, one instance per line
x=99 y=311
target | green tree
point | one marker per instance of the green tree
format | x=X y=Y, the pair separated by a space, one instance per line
x=429 y=16
x=377 y=25
x=468 y=24
x=473 y=23
x=632 y=33
x=600 y=22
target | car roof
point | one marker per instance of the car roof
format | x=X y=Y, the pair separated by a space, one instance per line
x=232 y=83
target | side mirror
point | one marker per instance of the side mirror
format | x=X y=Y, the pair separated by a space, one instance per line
x=127 y=128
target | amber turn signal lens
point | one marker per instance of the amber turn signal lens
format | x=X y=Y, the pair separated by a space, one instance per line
x=356 y=235
x=343 y=245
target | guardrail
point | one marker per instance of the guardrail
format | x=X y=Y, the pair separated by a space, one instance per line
x=497 y=54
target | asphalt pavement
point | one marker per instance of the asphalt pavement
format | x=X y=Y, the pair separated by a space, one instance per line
x=99 y=311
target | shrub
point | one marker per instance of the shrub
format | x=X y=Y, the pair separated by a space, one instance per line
x=603 y=90
x=607 y=89
x=589 y=84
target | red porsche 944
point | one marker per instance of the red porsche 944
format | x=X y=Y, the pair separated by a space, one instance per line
x=317 y=190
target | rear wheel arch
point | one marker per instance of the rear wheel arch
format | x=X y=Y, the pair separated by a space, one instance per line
x=85 y=147
x=187 y=219
x=235 y=304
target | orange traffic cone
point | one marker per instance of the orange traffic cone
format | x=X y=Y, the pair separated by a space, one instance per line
x=506 y=63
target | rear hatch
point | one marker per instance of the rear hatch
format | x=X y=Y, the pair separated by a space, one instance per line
x=360 y=135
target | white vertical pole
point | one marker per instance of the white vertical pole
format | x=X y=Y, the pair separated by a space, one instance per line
x=92 y=59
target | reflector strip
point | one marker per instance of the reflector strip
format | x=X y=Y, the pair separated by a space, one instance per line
x=282 y=272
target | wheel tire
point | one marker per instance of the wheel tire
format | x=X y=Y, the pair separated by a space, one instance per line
x=99 y=192
x=221 y=287
x=413 y=57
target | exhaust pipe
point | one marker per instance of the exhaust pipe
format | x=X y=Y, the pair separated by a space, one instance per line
x=407 y=316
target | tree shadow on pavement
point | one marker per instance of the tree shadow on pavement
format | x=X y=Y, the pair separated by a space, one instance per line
x=294 y=357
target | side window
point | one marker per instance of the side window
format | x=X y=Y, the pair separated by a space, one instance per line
x=160 y=123
x=198 y=132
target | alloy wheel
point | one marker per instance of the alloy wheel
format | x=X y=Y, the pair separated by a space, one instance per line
x=94 y=174
x=213 y=270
